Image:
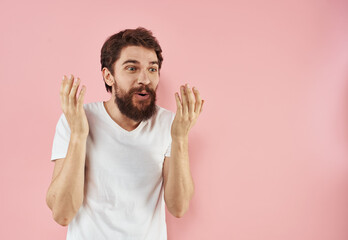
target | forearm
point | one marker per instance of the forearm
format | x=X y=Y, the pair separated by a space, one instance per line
x=179 y=188
x=65 y=194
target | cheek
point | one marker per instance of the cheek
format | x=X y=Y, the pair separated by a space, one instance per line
x=125 y=82
x=121 y=88
x=155 y=81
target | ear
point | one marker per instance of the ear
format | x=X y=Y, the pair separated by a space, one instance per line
x=108 y=78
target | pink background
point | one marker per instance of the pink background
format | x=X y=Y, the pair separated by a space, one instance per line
x=269 y=154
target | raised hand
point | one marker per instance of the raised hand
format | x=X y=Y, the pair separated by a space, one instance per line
x=189 y=107
x=73 y=107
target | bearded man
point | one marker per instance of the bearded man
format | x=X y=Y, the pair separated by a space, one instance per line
x=119 y=162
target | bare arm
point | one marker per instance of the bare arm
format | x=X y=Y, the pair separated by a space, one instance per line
x=65 y=193
x=178 y=182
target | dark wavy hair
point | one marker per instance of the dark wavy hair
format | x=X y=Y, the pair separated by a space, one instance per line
x=111 y=50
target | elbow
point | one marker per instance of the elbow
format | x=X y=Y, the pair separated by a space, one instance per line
x=178 y=209
x=63 y=213
x=178 y=212
x=61 y=220
x=62 y=216
x=57 y=217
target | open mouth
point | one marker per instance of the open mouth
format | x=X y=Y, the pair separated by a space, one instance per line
x=142 y=95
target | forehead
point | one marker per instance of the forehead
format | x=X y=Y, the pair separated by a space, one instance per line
x=139 y=53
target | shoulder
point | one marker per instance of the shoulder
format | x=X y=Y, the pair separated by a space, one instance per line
x=93 y=106
x=162 y=119
x=164 y=114
x=94 y=111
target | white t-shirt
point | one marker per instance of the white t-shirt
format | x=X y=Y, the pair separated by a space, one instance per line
x=123 y=178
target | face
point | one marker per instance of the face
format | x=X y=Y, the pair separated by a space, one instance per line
x=135 y=82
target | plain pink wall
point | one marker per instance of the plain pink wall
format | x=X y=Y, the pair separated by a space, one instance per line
x=269 y=154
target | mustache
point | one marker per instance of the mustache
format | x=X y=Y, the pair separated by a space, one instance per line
x=142 y=88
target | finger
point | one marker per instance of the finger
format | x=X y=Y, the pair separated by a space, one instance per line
x=198 y=100
x=178 y=104
x=81 y=97
x=67 y=88
x=184 y=101
x=61 y=93
x=72 y=94
x=190 y=99
x=201 y=106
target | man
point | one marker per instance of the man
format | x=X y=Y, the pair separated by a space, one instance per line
x=118 y=162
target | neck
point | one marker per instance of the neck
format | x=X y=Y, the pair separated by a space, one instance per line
x=115 y=114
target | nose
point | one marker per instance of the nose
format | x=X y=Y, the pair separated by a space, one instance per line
x=143 y=78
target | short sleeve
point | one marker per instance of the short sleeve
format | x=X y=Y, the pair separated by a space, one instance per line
x=169 y=148
x=61 y=139
x=167 y=154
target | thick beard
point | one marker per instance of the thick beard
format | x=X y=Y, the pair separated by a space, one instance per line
x=142 y=110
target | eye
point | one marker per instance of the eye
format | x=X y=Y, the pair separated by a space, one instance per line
x=153 y=69
x=130 y=68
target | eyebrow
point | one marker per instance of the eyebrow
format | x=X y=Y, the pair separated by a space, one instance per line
x=137 y=62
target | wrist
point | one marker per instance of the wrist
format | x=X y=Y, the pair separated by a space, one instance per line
x=75 y=136
x=180 y=139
